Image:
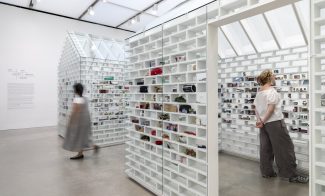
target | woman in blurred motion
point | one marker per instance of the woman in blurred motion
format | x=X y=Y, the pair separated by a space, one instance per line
x=78 y=135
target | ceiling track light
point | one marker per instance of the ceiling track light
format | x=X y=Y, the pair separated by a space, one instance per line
x=133 y=21
x=91 y=11
x=104 y=1
x=32 y=3
x=155 y=7
x=138 y=18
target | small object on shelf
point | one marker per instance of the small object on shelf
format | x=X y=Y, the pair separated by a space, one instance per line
x=186 y=109
x=164 y=116
x=202 y=146
x=174 y=90
x=153 y=132
x=172 y=127
x=143 y=89
x=109 y=78
x=156 y=71
x=189 y=88
x=159 y=142
x=139 y=128
x=144 y=106
x=157 y=106
x=180 y=99
x=190 y=152
x=193 y=66
x=145 y=138
x=170 y=108
x=182 y=139
x=180 y=58
x=140 y=83
x=135 y=121
x=190 y=133
x=103 y=91
x=158 y=89
x=145 y=123
x=165 y=136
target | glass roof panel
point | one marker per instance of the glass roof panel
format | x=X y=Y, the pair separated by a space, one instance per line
x=224 y=48
x=238 y=38
x=285 y=25
x=304 y=10
x=259 y=33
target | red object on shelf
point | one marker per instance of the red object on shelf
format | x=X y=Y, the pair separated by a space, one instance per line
x=156 y=71
x=190 y=132
x=154 y=132
x=158 y=142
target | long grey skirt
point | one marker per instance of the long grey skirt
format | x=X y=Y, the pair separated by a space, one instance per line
x=78 y=135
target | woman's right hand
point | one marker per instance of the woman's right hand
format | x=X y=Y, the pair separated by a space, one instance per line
x=259 y=124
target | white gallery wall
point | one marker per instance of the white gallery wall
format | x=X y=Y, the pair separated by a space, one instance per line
x=30 y=48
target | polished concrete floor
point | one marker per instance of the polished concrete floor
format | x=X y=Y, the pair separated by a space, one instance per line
x=33 y=163
x=240 y=177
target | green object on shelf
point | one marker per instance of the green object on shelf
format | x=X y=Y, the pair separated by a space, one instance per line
x=109 y=78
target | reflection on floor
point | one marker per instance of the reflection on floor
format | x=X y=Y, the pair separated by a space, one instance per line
x=33 y=163
x=240 y=177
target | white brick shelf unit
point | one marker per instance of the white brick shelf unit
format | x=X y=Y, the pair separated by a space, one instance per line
x=167 y=151
x=100 y=66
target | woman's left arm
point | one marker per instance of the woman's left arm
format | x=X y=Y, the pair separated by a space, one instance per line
x=269 y=112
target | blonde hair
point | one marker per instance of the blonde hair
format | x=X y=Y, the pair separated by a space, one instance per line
x=265 y=77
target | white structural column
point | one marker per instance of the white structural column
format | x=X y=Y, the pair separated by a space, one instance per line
x=212 y=92
x=318 y=98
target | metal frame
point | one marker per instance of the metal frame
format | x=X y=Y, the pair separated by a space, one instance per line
x=227 y=39
x=272 y=32
x=248 y=36
x=63 y=16
x=301 y=25
x=139 y=13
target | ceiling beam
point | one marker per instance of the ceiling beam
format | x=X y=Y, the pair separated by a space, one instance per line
x=232 y=46
x=91 y=5
x=302 y=27
x=140 y=12
x=272 y=32
x=129 y=8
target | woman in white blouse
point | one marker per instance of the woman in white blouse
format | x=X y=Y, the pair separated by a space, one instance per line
x=275 y=141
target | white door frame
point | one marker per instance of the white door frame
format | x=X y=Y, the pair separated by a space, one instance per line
x=212 y=81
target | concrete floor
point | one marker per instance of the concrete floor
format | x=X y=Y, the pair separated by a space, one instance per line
x=34 y=164
x=242 y=177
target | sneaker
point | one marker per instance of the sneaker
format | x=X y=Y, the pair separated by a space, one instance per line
x=299 y=179
x=77 y=157
x=270 y=176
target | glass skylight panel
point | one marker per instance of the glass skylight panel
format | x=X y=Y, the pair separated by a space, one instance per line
x=238 y=38
x=259 y=33
x=304 y=10
x=285 y=26
x=224 y=48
